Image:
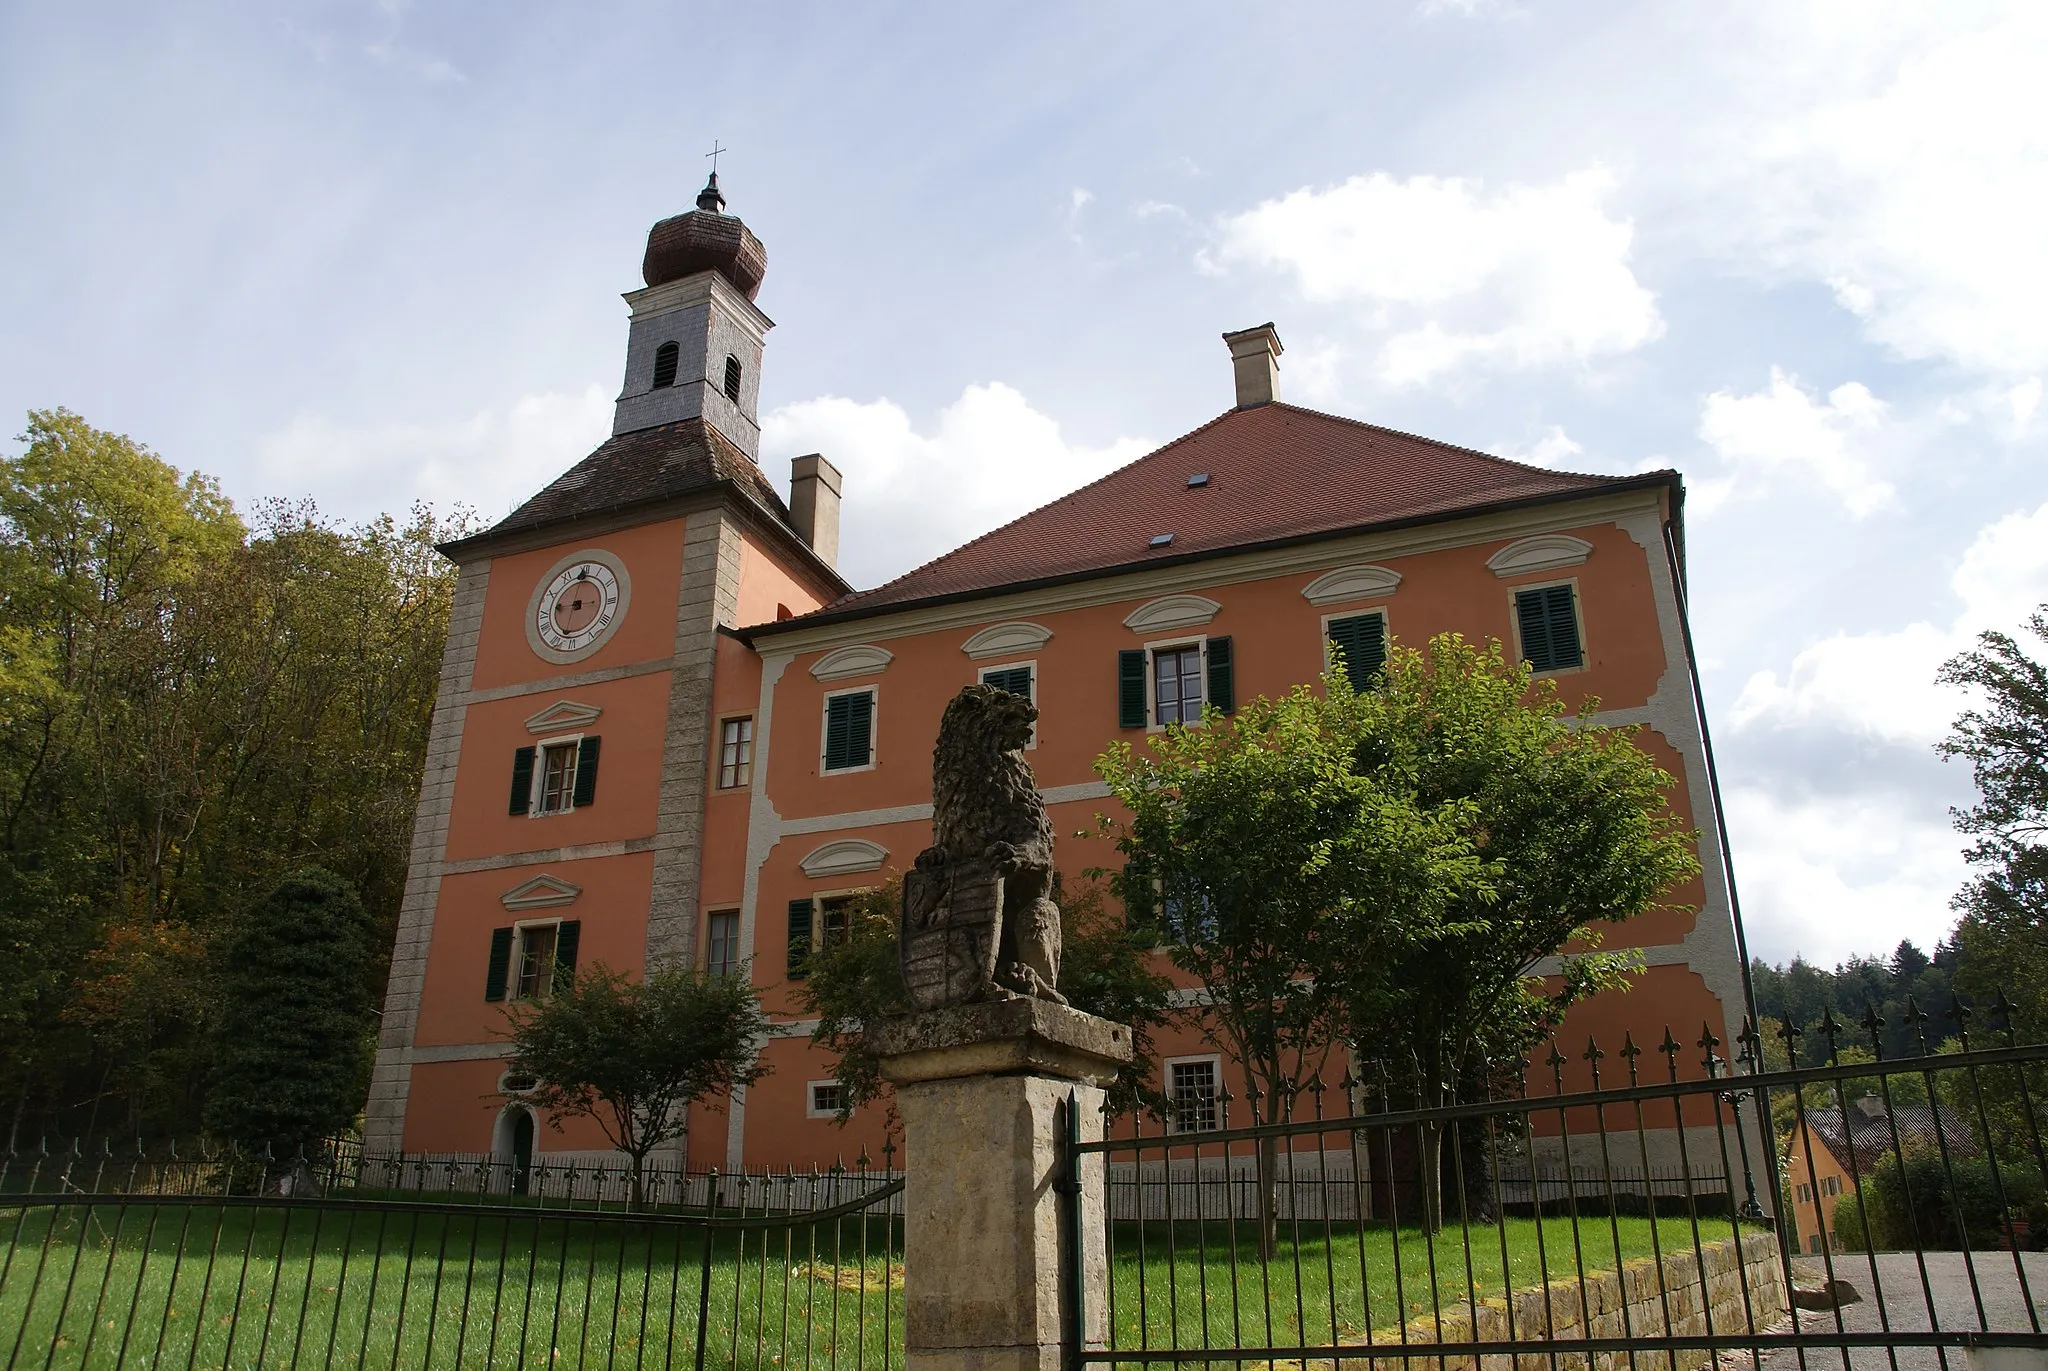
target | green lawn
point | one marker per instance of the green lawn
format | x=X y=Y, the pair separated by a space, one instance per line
x=219 y=1287
x=1321 y=1289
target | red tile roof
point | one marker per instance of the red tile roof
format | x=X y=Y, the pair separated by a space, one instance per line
x=1276 y=472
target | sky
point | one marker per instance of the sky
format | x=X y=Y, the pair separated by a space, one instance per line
x=372 y=254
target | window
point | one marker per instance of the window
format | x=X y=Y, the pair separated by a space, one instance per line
x=1191 y=1094
x=1177 y=685
x=1015 y=679
x=1805 y=1193
x=1548 y=620
x=850 y=730
x=1813 y=1243
x=554 y=777
x=835 y=919
x=824 y=1100
x=722 y=942
x=1362 y=640
x=732 y=379
x=557 y=778
x=1830 y=1185
x=665 y=366
x=531 y=961
x=735 y=753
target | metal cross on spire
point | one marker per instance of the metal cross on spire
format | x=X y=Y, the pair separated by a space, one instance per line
x=713 y=155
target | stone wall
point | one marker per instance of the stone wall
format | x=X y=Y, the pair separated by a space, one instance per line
x=1628 y=1303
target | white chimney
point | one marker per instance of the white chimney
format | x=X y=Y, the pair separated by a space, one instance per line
x=1255 y=357
x=814 y=505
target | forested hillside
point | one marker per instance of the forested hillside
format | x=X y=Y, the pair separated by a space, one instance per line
x=194 y=701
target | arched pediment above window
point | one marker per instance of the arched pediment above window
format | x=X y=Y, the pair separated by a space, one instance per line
x=862 y=659
x=1171 y=612
x=1007 y=640
x=1361 y=582
x=844 y=857
x=1544 y=552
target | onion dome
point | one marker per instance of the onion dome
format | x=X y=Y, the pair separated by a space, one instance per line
x=705 y=239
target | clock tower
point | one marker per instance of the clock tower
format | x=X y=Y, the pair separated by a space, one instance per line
x=572 y=810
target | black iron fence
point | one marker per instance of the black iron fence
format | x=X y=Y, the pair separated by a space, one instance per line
x=227 y=1259
x=1650 y=1206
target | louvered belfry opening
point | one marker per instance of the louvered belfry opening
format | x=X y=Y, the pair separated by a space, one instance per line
x=665 y=365
x=732 y=379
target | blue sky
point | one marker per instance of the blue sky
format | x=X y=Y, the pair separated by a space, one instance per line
x=372 y=253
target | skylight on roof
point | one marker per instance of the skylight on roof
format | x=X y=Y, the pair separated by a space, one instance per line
x=1200 y=478
x=1162 y=540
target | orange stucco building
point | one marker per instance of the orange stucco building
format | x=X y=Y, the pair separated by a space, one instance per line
x=667 y=729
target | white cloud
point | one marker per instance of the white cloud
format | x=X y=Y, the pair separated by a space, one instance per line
x=490 y=461
x=1553 y=449
x=1881 y=685
x=1787 y=431
x=1445 y=275
x=1841 y=875
x=911 y=496
x=1900 y=157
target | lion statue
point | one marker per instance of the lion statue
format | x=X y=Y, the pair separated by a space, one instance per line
x=979 y=919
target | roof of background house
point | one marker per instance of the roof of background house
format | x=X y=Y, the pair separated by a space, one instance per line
x=1276 y=472
x=1872 y=1137
x=646 y=466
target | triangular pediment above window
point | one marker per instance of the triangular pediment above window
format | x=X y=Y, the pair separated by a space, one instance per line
x=542 y=892
x=562 y=714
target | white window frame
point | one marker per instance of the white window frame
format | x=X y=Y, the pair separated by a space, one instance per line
x=1200 y=642
x=811 y=1110
x=1578 y=615
x=1386 y=625
x=1215 y=1061
x=874 y=729
x=718 y=753
x=519 y=931
x=981 y=677
x=739 y=960
x=818 y=899
x=540 y=775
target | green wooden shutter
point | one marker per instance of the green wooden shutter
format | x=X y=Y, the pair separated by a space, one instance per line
x=1130 y=688
x=522 y=781
x=1140 y=897
x=1222 y=676
x=586 y=774
x=1016 y=680
x=799 y=937
x=849 y=730
x=1550 y=628
x=501 y=961
x=1363 y=641
x=567 y=936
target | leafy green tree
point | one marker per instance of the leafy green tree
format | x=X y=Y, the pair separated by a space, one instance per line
x=1568 y=823
x=2003 y=933
x=1270 y=863
x=634 y=1055
x=853 y=980
x=294 y=1030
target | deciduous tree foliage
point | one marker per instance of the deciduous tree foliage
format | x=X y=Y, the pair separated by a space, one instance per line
x=293 y=1028
x=2003 y=934
x=191 y=707
x=633 y=1056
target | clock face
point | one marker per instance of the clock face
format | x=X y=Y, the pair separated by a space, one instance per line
x=578 y=606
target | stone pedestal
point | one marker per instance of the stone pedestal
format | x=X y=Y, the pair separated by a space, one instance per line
x=984 y=1092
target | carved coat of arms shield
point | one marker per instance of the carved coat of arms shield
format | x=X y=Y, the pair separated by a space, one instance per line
x=952 y=922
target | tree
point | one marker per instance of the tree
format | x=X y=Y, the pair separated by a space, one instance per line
x=1568 y=822
x=294 y=1031
x=1269 y=860
x=1105 y=969
x=634 y=1055
x=2003 y=933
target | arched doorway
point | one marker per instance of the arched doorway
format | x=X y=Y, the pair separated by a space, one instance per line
x=512 y=1146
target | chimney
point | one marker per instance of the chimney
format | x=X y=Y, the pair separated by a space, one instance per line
x=814 y=505
x=1871 y=1107
x=1255 y=357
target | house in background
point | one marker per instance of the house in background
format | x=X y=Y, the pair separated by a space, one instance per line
x=1827 y=1156
x=667 y=730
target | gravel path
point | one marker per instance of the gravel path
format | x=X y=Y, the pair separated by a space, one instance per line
x=1905 y=1306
